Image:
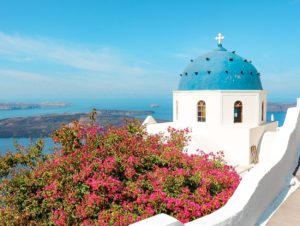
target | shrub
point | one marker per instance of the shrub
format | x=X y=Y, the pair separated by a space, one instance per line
x=112 y=177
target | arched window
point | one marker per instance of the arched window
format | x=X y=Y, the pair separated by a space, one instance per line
x=201 y=107
x=238 y=112
x=262 y=111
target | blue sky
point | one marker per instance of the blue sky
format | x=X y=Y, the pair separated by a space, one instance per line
x=132 y=48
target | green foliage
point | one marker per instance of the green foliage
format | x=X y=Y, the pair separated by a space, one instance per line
x=23 y=157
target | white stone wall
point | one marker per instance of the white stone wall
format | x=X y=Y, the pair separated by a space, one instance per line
x=235 y=140
x=187 y=106
x=265 y=182
x=256 y=134
x=219 y=106
x=159 y=220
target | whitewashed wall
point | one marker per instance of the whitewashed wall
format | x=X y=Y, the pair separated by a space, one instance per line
x=256 y=133
x=251 y=107
x=159 y=220
x=187 y=106
x=219 y=106
x=235 y=140
x=265 y=182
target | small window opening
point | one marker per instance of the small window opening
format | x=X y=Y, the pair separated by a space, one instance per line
x=201 y=111
x=196 y=73
x=254 y=154
x=176 y=109
x=238 y=112
x=208 y=72
x=230 y=59
x=207 y=58
x=262 y=111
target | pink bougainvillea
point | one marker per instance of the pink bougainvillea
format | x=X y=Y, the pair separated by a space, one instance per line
x=116 y=177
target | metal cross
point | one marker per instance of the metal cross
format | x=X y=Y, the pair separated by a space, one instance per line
x=219 y=37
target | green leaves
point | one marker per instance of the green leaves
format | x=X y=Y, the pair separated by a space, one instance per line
x=24 y=157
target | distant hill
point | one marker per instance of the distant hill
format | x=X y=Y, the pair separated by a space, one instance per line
x=279 y=107
x=44 y=125
x=18 y=106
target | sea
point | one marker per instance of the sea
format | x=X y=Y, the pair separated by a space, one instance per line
x=163 y=110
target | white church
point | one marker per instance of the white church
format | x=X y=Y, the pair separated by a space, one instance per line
x=220 y=98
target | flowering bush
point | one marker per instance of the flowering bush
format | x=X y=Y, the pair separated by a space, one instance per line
x=112 y=177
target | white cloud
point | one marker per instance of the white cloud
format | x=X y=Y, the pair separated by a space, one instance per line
x=15 y=74
x=98 y=59
x=46 y=67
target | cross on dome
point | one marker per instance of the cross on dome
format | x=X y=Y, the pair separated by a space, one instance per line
x=219 y=37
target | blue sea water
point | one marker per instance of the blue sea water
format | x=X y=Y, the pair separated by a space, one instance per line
x=164 y=111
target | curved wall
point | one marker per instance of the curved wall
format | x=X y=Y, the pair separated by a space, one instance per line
x=262 y=185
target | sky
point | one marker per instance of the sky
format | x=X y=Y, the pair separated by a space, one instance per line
x=72 y=49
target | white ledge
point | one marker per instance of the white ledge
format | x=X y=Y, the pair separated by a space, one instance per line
x=159 y=220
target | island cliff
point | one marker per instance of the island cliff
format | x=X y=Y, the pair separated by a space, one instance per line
x=22 y=106
x=44 y=125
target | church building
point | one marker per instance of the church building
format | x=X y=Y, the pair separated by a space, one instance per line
x=221 y=99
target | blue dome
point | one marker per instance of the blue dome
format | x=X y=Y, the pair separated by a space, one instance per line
x=220 y=70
